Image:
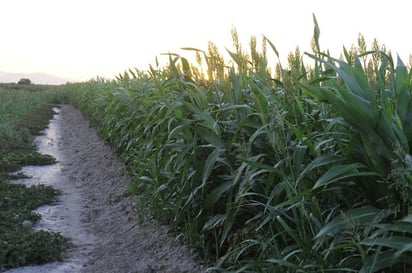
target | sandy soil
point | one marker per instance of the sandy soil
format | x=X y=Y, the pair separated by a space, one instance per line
x=95 y=209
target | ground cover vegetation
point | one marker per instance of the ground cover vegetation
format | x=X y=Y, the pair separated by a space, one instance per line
x=24 y=112
x=296 y=168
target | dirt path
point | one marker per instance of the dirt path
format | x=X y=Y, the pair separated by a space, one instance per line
x=95 y=210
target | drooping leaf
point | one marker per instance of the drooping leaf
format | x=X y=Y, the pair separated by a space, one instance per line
x=341 y=172
x=318 y=162
x=284 y=263
x=401 y=244
x=396 y=242
x=349 y=218
x=214 y=222
x=210 y=163
x=378 y=261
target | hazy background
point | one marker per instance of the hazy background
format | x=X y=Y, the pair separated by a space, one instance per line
x=78 y=40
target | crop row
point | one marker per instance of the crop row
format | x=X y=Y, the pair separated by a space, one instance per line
x=305 y=168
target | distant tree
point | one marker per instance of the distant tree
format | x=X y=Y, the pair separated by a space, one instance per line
x=24 y=81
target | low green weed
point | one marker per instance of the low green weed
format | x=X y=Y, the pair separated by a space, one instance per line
x=25 y=112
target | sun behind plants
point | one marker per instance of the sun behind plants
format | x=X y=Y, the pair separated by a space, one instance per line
x=24 y=114
x=298 y=168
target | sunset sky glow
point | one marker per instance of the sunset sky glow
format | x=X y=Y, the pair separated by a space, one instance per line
x=82 y=39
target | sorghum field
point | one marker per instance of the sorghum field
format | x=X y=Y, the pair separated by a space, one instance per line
x=269 y=167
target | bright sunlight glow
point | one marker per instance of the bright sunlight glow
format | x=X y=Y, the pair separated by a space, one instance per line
x=82 y=39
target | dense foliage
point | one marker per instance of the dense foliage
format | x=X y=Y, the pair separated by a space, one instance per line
x=24 y=112
x=299 y=169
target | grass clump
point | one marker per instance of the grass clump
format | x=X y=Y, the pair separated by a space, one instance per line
x=286 y=169
x=28 y=248
x=24 y=113
x=19 y=245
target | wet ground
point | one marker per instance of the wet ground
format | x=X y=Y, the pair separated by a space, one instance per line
x=95 y=209
x=63 y=217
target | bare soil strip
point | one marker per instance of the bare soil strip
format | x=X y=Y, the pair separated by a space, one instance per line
x=95 y=210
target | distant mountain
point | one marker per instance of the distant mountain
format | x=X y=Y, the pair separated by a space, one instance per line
x=36 y=78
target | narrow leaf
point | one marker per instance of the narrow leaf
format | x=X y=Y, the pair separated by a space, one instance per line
x=341 y=172
x=347 y=220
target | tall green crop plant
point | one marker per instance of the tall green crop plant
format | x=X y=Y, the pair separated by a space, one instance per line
x=379 y=140
x=261 y=173
x=270 y=189
x=374 y=118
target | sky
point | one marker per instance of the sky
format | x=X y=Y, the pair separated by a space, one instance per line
x=83 y=39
